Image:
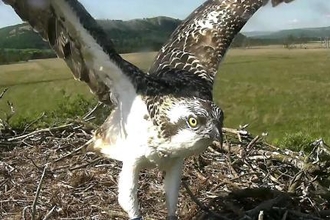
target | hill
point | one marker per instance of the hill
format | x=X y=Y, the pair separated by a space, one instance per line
x=20 y=37
x=128 y=36
x=147 y=34
x=135 y=35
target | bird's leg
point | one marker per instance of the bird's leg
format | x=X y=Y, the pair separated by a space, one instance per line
x=127 y=189
x=172 y=185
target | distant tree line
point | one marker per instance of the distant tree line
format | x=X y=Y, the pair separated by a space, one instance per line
x=129 y=42
x=8 y=56
x=285 y=41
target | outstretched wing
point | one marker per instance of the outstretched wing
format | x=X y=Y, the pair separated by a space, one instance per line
x=82 y=43
x=198 y=45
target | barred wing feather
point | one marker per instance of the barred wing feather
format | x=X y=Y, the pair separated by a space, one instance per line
x=199 y=44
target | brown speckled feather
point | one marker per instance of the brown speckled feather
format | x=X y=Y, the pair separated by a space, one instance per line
x=199 y=44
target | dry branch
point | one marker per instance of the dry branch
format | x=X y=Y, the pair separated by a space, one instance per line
x=34 y=204
x=37 y=132
x=49 y=214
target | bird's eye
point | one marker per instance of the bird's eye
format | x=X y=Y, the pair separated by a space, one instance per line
x=193 y=122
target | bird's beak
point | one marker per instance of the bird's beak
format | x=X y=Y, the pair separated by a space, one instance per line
x=216 y=135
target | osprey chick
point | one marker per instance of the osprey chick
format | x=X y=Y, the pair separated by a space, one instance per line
x=160 y=117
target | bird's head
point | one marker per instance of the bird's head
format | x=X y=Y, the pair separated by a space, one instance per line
x=189 y=125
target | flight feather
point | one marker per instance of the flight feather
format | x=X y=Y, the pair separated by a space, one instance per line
x=199 y=44
x=77 y=38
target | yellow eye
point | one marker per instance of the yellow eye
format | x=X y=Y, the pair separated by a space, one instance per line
x=193 y=122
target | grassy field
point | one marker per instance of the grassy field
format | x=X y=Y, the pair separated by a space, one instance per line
x=274 y=90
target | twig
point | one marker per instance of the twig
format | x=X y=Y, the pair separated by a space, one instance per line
x=40 y=131
x=11 y=106
x=266 y=205
x=295 y=181
x=251 y=144
x=38 y=167
x=24 y=212
x=202 y=206
x=49 y=213
x=72 y=152
x=3 y=92
x=34 y=121
x=288 y=156
x=14 y=200
x=34 y=204
x=261 y=215
x=285 y=215
x=92 y=111
x=86 y=164
x=10 y=115
x=234 y=131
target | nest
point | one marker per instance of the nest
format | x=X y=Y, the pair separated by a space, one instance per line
x=47 y=174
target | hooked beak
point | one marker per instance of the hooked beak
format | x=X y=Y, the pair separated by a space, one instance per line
x=217 y=135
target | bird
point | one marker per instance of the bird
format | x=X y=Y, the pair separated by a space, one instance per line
x=161 y=116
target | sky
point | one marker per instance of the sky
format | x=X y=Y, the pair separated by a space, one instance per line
x=298 y=14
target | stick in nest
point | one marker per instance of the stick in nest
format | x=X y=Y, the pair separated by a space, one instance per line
x=34 y=204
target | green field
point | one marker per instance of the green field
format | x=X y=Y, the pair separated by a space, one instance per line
x=277 y=91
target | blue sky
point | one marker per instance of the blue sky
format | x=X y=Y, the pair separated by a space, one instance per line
x=300 y=13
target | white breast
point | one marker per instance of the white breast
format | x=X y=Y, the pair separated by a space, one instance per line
x=129 y=130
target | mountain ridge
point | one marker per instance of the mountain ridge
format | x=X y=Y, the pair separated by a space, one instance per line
x=146 y=34
x=136 y=34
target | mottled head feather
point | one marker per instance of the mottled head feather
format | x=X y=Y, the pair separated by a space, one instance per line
x=171 y=113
